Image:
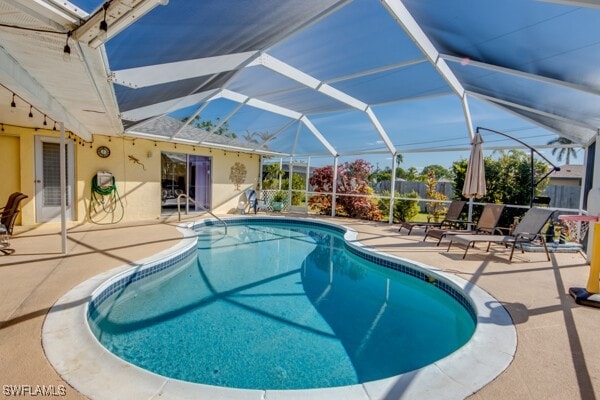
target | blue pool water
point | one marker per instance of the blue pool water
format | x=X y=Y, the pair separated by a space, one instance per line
x=270 y=306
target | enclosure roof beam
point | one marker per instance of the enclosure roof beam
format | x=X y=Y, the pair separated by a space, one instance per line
x=401 y=14
x=576 y=3
x=405 y=19
x=263 y=105
x=522 y=74
x=278 y=132
x=468 y=120
x=150 y=75
x=318 y=135
x=378 y=70
x=296 y=140
x=119 y=15
x=532 y=110
x=228 y=117
x=295 y=74
x=191 y=118
x=240 y=98
x=165 y=107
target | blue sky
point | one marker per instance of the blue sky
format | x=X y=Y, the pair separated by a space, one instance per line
x=432 y=123
x=377 y=64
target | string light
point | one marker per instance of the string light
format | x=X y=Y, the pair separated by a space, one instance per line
x=109 y=139
x=13 y=107
x=2 y=127
x=103 y=34
x=155 y=143
x=67 y=49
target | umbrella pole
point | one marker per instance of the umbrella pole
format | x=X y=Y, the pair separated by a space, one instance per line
x=470 y=216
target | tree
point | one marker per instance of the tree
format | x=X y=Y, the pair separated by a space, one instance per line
x=412 y=174
x=298 y=188
x=353 y=179
x=381 y=175
x=271 y=175
x=439 y=171
x=565 y=151
x=435 y=208
x=508 y=181
x=210 y=126
x=259 y=138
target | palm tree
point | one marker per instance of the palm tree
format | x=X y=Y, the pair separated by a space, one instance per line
x=565 y=151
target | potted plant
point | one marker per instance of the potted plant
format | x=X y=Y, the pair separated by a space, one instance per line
x=278 y=200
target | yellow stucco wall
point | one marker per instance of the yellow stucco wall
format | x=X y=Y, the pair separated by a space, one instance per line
x=10 y=166
x=139 y=186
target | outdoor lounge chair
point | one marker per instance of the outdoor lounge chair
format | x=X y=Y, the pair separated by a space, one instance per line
x=487 y=224
x=526 y=231
x=7 y=220
x=451 y=219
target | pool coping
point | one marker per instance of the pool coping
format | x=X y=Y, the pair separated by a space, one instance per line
x=85 y=364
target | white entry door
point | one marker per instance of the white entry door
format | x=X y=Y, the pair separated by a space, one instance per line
x=47 y=179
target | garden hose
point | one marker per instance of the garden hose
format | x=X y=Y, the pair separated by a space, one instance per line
x=108 y=198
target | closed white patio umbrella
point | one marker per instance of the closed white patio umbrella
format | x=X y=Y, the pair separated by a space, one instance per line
x=474 y=186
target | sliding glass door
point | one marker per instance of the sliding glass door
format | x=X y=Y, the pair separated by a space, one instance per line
x=199 y=189
x=185 y=174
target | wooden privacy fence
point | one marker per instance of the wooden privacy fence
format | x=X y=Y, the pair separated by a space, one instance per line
x=561 y=196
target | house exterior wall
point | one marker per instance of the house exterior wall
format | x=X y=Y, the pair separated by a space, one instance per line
x=10 y=166
x=139 y=186
x=565 y=181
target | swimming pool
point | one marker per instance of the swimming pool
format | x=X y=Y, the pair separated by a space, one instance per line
x=280 y=305
x=77 y=356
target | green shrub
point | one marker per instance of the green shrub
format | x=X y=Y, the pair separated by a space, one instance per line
x=404 y=210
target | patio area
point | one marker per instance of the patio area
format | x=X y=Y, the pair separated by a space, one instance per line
x=557 y=349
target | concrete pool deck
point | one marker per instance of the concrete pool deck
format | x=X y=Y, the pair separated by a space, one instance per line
x=557 y=353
